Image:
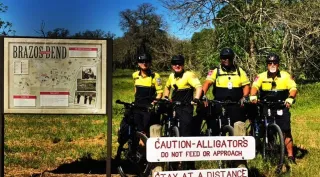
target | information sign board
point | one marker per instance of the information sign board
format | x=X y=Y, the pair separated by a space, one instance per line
x=58 y=76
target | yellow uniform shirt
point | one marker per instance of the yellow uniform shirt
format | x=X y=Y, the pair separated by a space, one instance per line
x=183 y=87
x=146 y=87
x=277 y=88
x=228 y=85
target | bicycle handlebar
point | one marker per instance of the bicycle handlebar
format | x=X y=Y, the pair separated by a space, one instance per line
x=271 y=103
x=177 y=103
x=227 y=102
x=130 y=105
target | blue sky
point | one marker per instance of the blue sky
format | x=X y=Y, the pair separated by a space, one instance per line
x=78 y=15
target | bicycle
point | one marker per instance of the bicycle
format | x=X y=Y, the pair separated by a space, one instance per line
x=223 y=129
x=129 y=143
x=264 y=127
x=169 y=121
x=170 y=126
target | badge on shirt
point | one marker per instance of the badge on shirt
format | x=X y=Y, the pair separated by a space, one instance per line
x=159 y=81
x=229 y=85
x=279 y=112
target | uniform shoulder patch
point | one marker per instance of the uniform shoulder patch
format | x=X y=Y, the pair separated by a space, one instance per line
x=158 y=80
x=210 y=73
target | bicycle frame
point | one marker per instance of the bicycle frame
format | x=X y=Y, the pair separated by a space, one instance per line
x=223 y=114
x=169 y=116
x=267 y=119
x=132 y=154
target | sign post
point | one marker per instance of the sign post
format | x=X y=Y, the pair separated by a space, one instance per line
x=2 y=107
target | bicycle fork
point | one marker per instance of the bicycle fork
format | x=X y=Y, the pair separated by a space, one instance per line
x=266 y=131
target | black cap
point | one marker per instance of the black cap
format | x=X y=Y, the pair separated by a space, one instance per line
x=272 y=57
x=144 y=58
x=227 y=53
x=177 y=60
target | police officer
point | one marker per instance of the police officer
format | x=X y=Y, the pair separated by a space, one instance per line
x=230 y=82
x=147 y=89
x=183 y=83
x=277 y=85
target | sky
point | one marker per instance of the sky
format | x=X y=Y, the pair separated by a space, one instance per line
x=78 y=15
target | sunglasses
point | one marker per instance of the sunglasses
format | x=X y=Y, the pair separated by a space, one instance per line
x=143 y=61
x=224 y=58
x=272 y=62
x=174 y=63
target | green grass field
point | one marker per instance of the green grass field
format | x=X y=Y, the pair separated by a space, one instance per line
x=36 y=143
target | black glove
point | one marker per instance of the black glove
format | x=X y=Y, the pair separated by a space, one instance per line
x=196 y=100
x=166 y=98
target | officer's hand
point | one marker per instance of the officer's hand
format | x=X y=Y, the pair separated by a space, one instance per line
x=253 y=99
x=196 y=101
x=288 y=102
x=205 y=101
x=244 y=100
x=155 y=101
x=166 y=98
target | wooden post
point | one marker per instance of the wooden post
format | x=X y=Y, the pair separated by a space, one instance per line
x=155 y=131
x=240 y=130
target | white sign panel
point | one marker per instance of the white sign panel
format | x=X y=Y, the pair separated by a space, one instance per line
x=83 y=52
x=54 y=98
x=228 y=172
x=170 y=149
x=24 y=100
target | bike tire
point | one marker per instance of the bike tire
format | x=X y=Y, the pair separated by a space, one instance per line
x=274 y=148
x=175 y=132
x=172 y=166
x=227 y=130
x=143 y=166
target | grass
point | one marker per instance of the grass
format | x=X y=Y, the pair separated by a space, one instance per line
x=44 y=142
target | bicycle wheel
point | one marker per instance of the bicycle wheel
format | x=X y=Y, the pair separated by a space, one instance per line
x=274 y=146
x=227 y=130
x=143 y=167
x=251 y=131
x=172 y=166
x=175 y=132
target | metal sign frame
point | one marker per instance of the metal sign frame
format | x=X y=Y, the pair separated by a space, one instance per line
x=54 y=76
x=106 y=106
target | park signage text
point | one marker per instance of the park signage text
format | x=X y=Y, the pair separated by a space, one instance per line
x=166 y=149
x=228 y=172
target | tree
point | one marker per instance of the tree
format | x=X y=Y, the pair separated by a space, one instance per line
x=98 y=33
x=5 y=26
x=58 y=33
x=253 y=28
x=144 y=31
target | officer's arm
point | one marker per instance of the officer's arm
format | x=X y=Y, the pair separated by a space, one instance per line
x=198 y=92
x=206 y=85
x=166 y=92
x=159 y=96
x=246 y=90
x=211 y=77
x=253 y=91
x=158 y=85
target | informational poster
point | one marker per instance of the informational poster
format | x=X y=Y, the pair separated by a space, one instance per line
x=63 y=76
